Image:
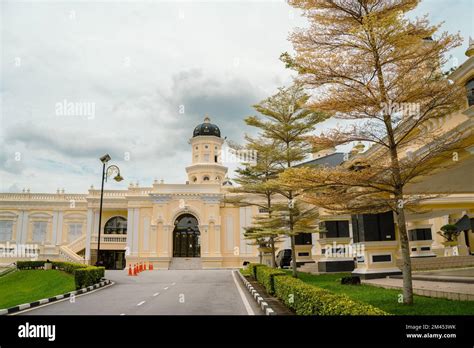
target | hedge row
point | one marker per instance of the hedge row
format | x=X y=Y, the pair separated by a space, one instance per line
x=84 y=275
x=253 y=268
x=265 y=276
x=307 y=299
x=87 y=276
x=29 y=264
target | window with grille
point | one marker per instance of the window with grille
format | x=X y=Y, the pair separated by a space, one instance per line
x=6 y=230
x=75 y=231
x=39 y=231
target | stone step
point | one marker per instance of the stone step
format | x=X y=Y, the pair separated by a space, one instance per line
x=184 y=263
x=441 y=262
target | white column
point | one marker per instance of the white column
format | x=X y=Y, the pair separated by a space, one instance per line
x=217 y=231
x=59 y=232
x=167 y=240
x=24 y=228
x=146 y=233
x=95 y=230
x=55 y=227
x=19 y=226
x=229 y=231
x=351 y=233
x=130 y=230
x=204 y=235
x=136 y=224
x=90 y=223
x=314 y=240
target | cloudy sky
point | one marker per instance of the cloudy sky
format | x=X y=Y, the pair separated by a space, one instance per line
x=144 y=73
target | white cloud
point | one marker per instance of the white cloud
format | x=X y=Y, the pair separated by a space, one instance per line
x=137 y=62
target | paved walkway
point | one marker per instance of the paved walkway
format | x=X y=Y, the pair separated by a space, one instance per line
x=443 y=289
x=186 y=292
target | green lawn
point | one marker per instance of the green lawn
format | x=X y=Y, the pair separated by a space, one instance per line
x=32 y=285
x=387 y=299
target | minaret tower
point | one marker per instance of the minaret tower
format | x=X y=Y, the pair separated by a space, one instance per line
x=206 y=167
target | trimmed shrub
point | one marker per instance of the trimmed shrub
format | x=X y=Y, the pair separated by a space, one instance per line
x=67 y=267
x=253 y=268
x=88 y=276
x=307 y=299
x=29 y=264
x=265 y=277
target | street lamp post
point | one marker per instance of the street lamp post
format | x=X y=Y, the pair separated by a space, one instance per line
x=106 y=172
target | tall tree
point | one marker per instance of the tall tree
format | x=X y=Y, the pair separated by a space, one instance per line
x=368 y=63
x=253 y=180
x=288 y=122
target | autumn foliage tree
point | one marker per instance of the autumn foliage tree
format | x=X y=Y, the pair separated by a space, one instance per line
x=367 y=63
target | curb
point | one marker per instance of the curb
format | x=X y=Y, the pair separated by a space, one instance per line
x=259 y=299
x=33 y=304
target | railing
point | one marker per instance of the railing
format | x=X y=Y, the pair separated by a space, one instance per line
x=70 y=255
x=42 y=197
x=141 y=191
x=28 y=196
x=117 y=238
x=77 y=244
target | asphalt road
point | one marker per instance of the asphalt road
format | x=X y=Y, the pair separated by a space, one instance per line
x=175 y=292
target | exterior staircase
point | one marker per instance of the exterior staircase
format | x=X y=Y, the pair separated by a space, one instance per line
x=441 y=262
x=182 y=263
x=69 y=252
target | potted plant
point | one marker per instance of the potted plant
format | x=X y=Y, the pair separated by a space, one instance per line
x=450 y=234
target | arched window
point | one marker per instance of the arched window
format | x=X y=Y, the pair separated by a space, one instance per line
x=206 y=178
x=116 y=225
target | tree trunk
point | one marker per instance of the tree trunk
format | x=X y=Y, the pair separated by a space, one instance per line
x=293 y=257
x=405 y=248
x=271 y=239
x=272 y=244
x=260 y=257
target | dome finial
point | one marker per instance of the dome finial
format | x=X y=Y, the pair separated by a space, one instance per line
x=470 y=49
x=207 y=119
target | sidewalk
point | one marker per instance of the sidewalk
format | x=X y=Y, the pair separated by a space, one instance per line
x=442 y=289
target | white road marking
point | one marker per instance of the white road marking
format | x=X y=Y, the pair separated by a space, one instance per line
x=166 y=288
x=242 y=296
x=173 y=283
x=156 y=294
x=140 y=303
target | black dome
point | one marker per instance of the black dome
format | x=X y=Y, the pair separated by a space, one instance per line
x=207 y=128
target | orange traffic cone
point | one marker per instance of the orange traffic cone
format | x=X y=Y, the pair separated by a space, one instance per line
x=135 y=269
x=130 y=273
x=151 y=267
x=144 y=266
x=140 y=267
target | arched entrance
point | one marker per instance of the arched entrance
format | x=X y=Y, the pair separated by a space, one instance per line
x=186 y=237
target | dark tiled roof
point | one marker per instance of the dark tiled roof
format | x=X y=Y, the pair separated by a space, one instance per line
x=331 y=160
